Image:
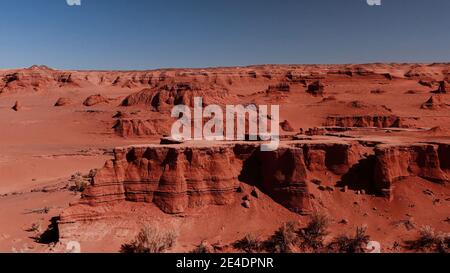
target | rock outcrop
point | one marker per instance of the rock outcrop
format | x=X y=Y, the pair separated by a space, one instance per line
x=17 y=106
x=137 y=127
x=121 y=115
x=172 y=178
x=164 y=97
x=281 y=87
x=396 y=162
x=286 y=126
x=389 y=121
x=433 y=103
x=94 y=100
x=31 y=79
x=37 y=78
x=176 y=176
x=143 y=97
x=63 y=102
x=316 y=88
x=443 y=88
x=426 y=83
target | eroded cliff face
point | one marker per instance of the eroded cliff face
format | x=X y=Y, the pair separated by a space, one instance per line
x=395 y=162
x=37 y=78
x=388 y=121
x=181 y=178
x=171 y=178
x=164 y=96
x=139 y=127
x=175 y=177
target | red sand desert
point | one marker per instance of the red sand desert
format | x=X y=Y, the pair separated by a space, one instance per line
x=364 y=145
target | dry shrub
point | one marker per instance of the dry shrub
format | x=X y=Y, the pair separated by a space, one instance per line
x=249 y=244
x=151 y=240
x=313 y=235
x=79 y=182
x=204 y=248
x=430 y=240
x=352 y=244
x=284 y=240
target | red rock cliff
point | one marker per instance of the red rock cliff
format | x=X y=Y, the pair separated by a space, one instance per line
x=395 y=162
x=177 y=177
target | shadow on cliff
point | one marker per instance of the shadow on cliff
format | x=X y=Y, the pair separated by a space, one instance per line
x=361 y=176
x=250 y=173
x=51 y=235
x=280 y=176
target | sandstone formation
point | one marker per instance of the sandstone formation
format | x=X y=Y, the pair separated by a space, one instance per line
x=38 y=78
x=443 y=88
x=426 y=83
x=316 y=131
x=328 y=99
x=121 y=115
x=396 y=162
x=29 y=79
x=169 y=141
x=357 y=104
x=178 y=176
x=17 y=106
x=365 y=121
x=143 y=97
x=136 y=127
x=286 y=126
x=281 y=87
x=94 y=100
x=316 y=88
x=165 y=96
x=433 y=103
x=63 y=102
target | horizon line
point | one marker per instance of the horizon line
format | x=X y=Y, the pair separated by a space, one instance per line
x=224 y=67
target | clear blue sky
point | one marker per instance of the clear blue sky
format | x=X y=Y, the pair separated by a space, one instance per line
x=147 y=34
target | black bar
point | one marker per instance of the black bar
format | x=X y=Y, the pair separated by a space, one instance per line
x=229 y=263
